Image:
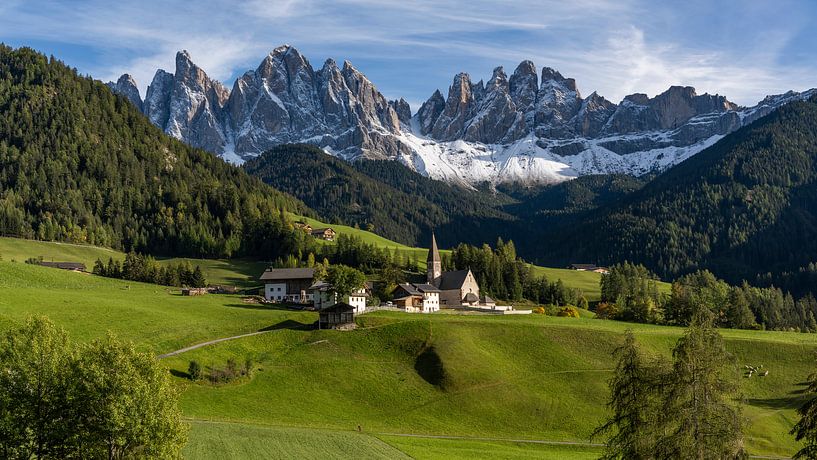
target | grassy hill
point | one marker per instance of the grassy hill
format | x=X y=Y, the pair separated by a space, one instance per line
x=488 y=379
x=244 y=272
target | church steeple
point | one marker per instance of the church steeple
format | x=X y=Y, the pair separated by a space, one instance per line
x=434 y=263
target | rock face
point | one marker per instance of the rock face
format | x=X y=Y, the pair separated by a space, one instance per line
x=529 y=127
x=283 y=100
x=126 y=86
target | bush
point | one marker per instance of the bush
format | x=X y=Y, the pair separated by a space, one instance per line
x=606 y=310
x=194 y=370
x=230 y=372
x=568 y=311
x=539 y=310
x=93 y=398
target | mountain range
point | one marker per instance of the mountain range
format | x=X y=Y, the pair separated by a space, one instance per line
x=529 y=127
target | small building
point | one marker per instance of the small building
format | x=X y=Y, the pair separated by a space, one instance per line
x=323 y=295
x=417 y=298
x=583 y=267
x=288 y=284
x=327 y=234
x=339 y=316
x=194 y=291
x=222 y=289
x=70 y=266
x=304 y=226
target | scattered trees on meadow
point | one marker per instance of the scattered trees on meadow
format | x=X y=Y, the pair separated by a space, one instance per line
x=685 y=409
x=103 y=399
x=629 y=292
x=138 y=267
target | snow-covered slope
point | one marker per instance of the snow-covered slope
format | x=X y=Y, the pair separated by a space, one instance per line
x=529 y=127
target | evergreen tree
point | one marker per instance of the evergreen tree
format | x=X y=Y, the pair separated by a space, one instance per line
x=634 y=405
x=698 y=419
x=806 y=428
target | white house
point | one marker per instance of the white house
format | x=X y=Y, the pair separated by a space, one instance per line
x=288 y=284
x=325 y=297
x=417 y=298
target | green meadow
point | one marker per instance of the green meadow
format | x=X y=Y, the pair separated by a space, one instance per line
x=487 y=381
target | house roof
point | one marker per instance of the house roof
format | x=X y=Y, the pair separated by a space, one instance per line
x=322 y=230
x=287 y=274
x=583 y=266
x=426 y=288
x=64 y=265
x=409 y=289
x=453 y=280
x=340 y=307
x=486 y=299
x=471 y=297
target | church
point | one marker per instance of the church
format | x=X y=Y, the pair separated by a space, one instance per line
x=456 y=288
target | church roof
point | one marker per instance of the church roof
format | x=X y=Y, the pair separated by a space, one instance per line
x=453 y=280
x=433 y=253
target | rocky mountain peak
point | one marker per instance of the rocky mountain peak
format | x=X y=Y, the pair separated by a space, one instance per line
x=430 y=111
x=530 y=126
x=126 y=86
x=499 y=79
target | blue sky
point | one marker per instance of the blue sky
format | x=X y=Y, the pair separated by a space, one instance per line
x=743 y=49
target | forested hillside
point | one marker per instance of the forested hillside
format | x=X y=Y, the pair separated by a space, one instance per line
x=82 y=165
x=746 y=208
x=383 y=196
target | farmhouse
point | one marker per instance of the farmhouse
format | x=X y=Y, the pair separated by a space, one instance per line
x=304 y=226
x=322 y=294
x=71 y=266
x=457 y=287
x=324 y=233
x=589 y=268
x=288 y=284
x=338 y=316
x=417 y=298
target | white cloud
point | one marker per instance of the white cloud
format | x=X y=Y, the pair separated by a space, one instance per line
x=612 y=47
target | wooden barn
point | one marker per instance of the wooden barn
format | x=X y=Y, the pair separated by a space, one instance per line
x=338 y=316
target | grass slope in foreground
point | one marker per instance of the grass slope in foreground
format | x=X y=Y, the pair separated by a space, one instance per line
x=534 y=377
x=531 y=377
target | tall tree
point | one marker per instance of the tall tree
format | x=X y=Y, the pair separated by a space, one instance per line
x=806 y=428
x=699 y=417
x=634 y=404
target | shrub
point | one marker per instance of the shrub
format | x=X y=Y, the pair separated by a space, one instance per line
x=194 y=370
x=606 y=310
x=539 y=310
x=568 y=311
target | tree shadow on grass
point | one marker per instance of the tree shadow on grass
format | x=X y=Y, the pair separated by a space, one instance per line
x=429 y=367
x=291 y=325
x=261 y=306
x=794 y=400
x=180 y=374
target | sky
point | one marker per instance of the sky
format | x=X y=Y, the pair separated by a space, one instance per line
x=743 y=49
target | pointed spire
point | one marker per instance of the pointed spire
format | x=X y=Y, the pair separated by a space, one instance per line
x=434 y=253
x=434 y=263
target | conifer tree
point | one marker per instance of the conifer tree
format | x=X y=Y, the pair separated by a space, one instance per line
x=699 y=419
x=634 y=405
x=806 y=428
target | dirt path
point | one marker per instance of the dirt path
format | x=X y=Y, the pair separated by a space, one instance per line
x=211 y=342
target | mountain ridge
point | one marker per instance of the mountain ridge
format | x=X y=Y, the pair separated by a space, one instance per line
x=529 y=127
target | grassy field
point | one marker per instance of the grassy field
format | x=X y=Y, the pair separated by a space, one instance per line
x=157 y=318
x=513 y=378
x=245 y=272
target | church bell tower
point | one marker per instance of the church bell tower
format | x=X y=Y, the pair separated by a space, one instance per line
x=434 y=263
